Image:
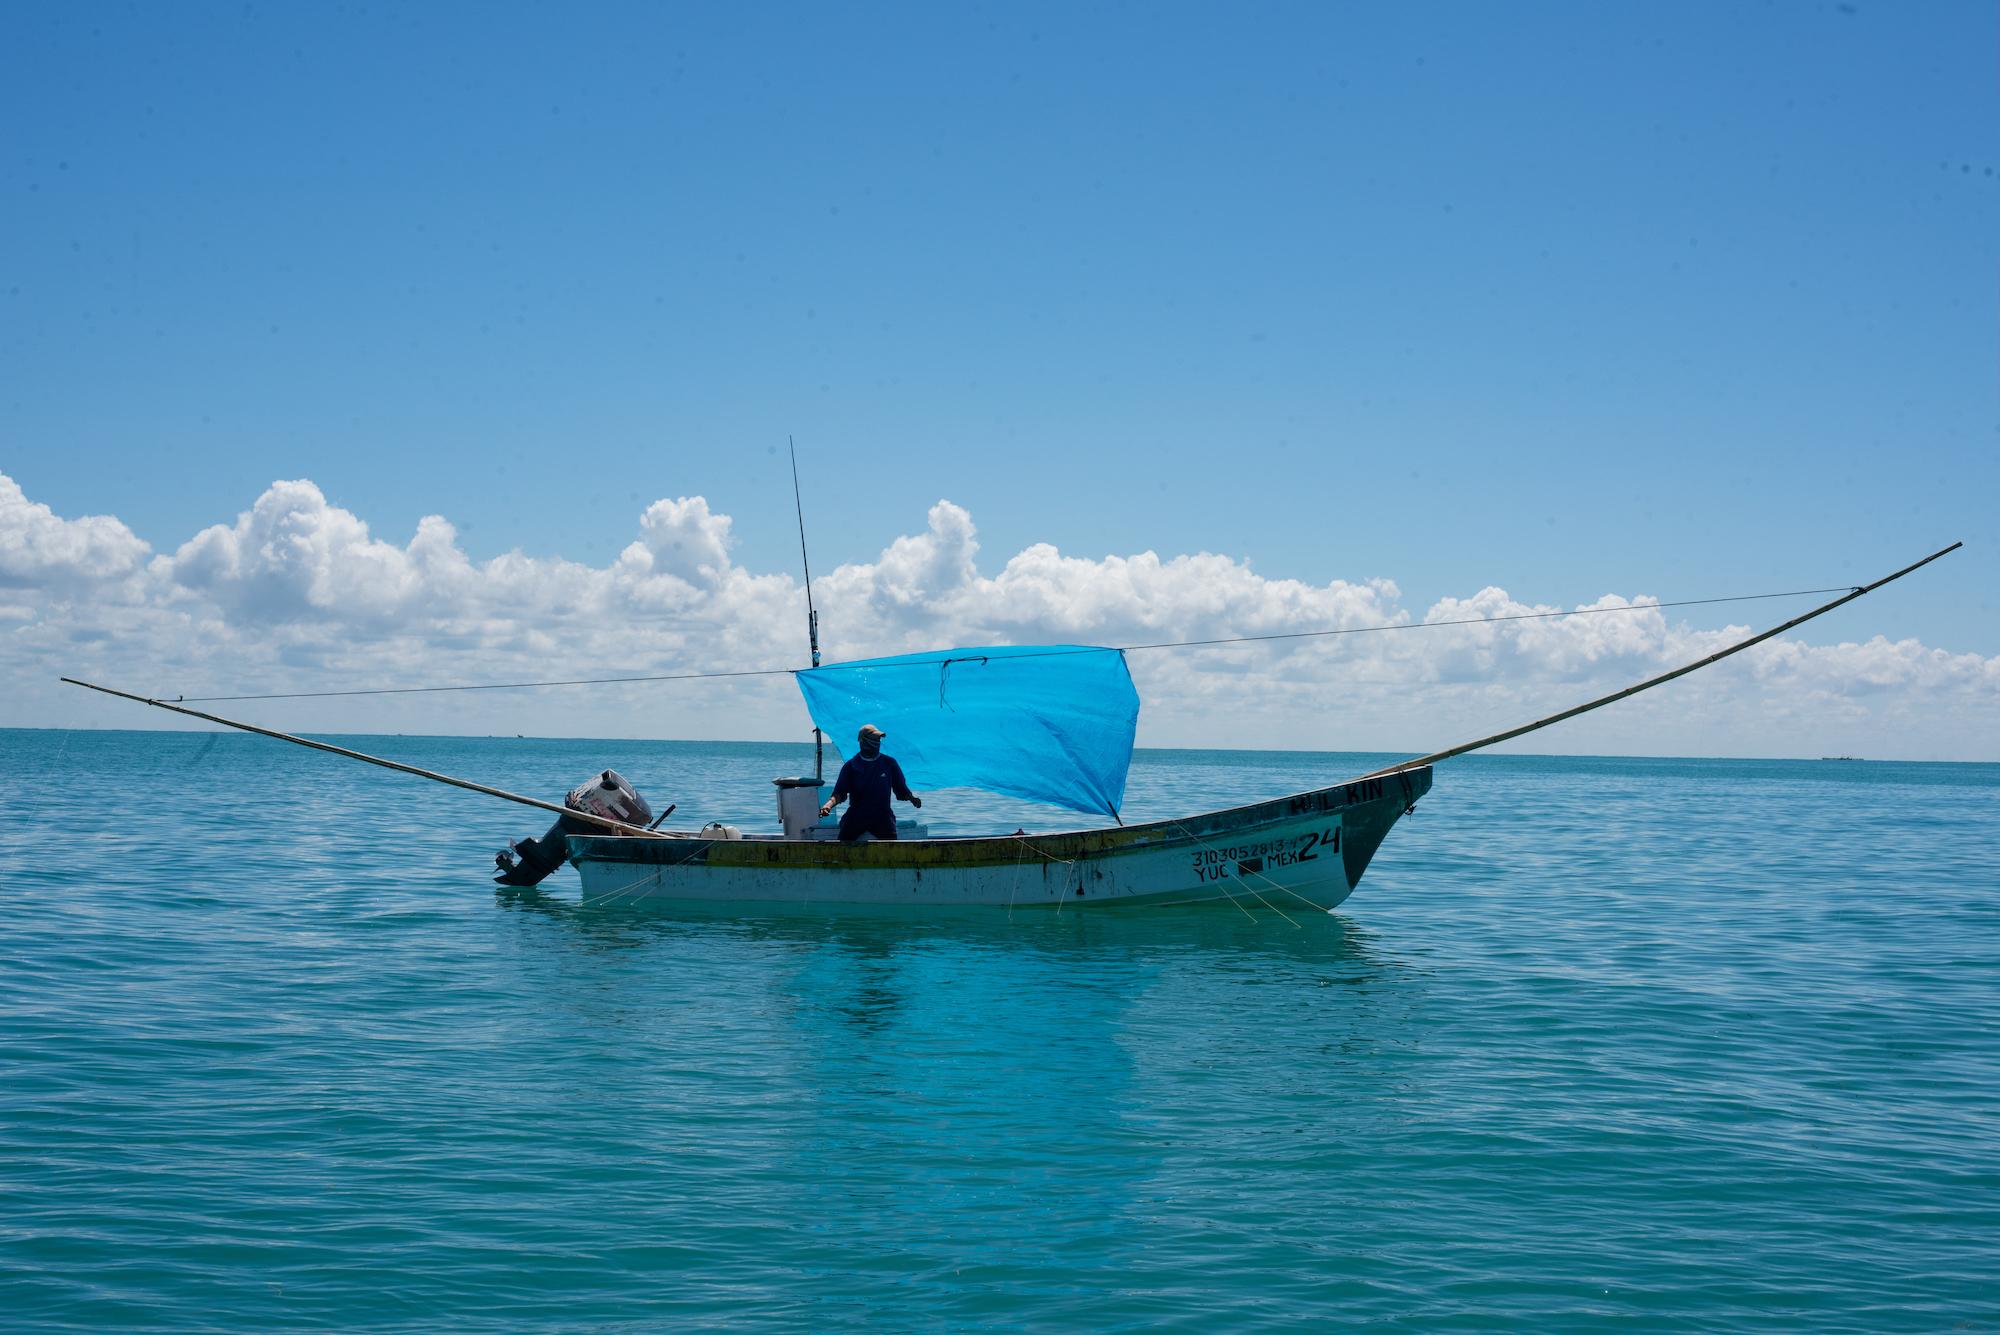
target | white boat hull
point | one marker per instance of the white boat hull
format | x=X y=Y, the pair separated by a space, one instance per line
x=1291 y=853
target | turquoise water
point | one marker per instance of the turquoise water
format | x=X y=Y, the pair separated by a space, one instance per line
x=1660 y=1044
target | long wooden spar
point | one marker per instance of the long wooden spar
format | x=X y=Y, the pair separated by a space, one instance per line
x=1660 y=680
x=466 y=784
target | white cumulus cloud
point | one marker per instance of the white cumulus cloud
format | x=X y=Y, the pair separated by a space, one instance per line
x=292 y=556
x=40 y=549
x=296 y=593
x=682 y=538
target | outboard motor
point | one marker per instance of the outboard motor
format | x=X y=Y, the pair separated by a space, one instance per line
x=531 y=861
x=609 y=795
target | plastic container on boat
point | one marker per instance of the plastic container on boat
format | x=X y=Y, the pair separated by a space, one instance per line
x=798 y=805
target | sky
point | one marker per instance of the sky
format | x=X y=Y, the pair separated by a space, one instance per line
x=378 y=345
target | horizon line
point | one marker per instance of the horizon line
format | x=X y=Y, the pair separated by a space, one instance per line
x=806 y=742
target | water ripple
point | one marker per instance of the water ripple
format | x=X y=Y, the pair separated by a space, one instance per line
x=1676 y=1045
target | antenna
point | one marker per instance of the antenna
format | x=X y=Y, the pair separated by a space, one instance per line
x=812 y=616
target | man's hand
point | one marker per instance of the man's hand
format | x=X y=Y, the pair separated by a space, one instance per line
x=827 y=810
x=916 y=802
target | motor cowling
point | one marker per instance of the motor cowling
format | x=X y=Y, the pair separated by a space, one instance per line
x=609 y=795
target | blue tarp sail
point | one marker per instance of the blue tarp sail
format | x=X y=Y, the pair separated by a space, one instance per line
x=1051 y=723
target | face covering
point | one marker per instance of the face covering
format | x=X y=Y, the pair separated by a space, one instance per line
x=871 y=748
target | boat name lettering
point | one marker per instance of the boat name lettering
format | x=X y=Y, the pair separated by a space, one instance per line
x=1361 y=790
x=1364 y=790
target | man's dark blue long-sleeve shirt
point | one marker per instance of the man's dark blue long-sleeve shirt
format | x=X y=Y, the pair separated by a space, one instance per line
x=868 y=785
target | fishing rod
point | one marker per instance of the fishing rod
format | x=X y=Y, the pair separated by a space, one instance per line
x=812 y=616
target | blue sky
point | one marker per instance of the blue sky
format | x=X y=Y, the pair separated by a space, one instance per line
x=1568 y=299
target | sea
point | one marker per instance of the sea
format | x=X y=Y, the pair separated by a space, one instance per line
x=1633 y=1044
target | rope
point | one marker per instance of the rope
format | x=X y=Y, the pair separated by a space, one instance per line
x=1650 y=682
x=596 y=901
x=1234 y=900
x=1469 y=621
x=1042 y=852
x=1045 y=653
x=1238 y=874
x=1070 y=863
x=1067 y=864
x=1014 y=882
x=1261 y=900
x=487 y=686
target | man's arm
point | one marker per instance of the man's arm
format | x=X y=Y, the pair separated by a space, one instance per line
x=839 y=793
x=901 y=787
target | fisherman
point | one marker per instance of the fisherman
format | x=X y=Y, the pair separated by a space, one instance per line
x=869 y=778
x=531 y=861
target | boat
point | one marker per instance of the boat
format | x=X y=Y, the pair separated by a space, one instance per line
x=1051 y=723
x=1306 y=851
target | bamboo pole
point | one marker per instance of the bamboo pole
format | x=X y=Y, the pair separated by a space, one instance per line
x=1660 y=680
x=433 y=775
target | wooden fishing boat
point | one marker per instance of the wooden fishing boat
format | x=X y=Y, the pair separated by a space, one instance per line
x=1303 y=851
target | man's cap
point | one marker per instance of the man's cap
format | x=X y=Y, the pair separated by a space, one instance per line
x=868 y=728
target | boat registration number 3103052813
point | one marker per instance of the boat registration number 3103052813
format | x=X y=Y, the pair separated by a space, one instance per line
x=1213 y=864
